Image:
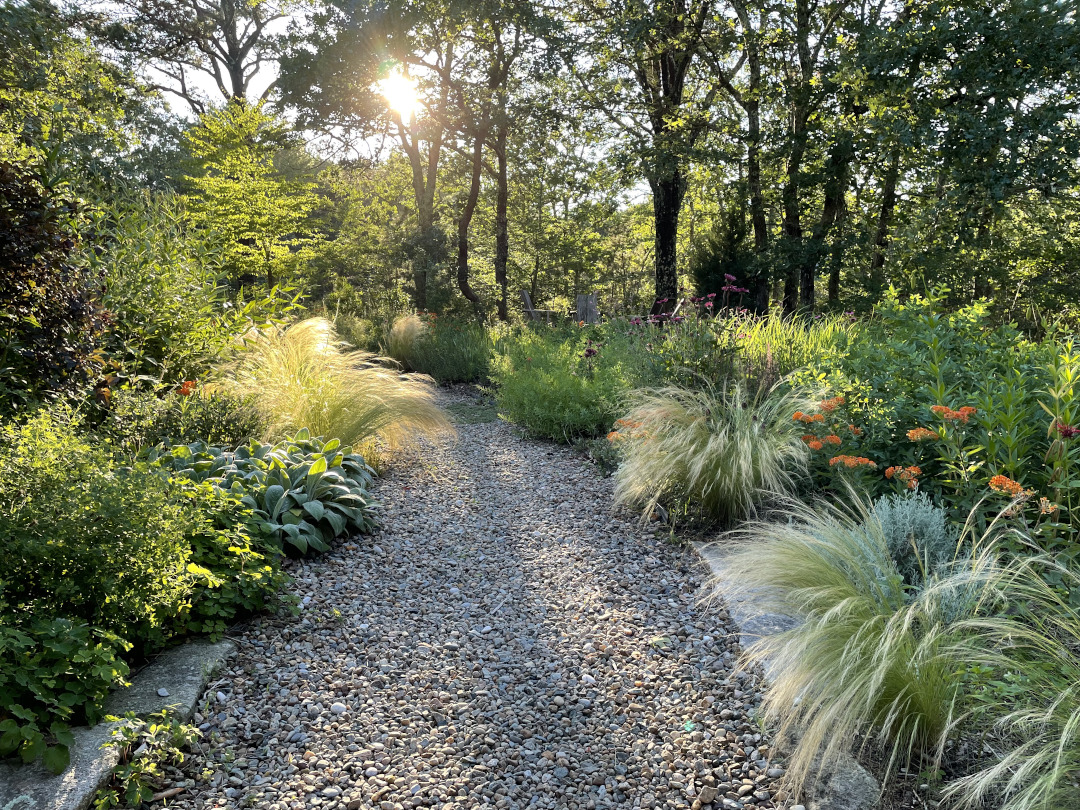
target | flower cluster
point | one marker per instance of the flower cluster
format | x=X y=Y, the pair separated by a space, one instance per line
x=807 y=418
x=852 y=462
x=1004 y=484
x=1046 y=507
x=186 y=388
x=962 y=415
x=921 y=434
x=625 y=428
x=829 y=405
x=905 y=475
x=1066 y=431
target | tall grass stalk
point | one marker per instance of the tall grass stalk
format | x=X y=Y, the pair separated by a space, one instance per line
x=870 y=657
x=1035 y=735
x=300 y=377
x=717 y=449
x=773 y=346
x=401 y=339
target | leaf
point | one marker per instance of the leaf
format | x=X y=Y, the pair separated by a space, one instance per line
x=318 y=467
x=315 y=509
x=57 y=758
x=272 y=496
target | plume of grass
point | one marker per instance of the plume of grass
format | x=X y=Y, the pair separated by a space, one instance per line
x=1035 y=645
x=300 y=377
x=870 y=658
x=716 y=449
x=401 y=339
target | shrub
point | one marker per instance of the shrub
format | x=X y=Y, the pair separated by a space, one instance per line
x=452 y=352
x=300 y=378
x=85 y=539
x=916 y=534
x=47 y=320
x=871 y=656
x=302 y=492
x=716 y=450
x=189 y=413
x=52 y=672
x=564 y=384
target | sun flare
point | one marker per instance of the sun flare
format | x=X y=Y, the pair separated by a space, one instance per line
x=399 y=91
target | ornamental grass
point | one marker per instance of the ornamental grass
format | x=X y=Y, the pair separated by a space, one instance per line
x=302 y=377
x=716 y=450
x=872 y=658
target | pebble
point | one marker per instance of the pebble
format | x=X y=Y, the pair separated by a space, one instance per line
x=505 y=639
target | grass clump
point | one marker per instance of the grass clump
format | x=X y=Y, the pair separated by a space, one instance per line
x=300 y=377
x=872 y=656
x=717 y=449
x=401 y=339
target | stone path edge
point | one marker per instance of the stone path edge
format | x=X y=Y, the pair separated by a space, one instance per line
x=850 y=786
x=175 y=680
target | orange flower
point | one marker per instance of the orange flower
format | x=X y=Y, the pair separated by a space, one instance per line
x=829 y=405
x=889 y=473
x=1046 y=507
x=798 y=416
x=832 y=438
x=186 y=388
x=854 y=430
x=851 y=462
x=809 y=437
x=614 y=436
x=815 y=445
x=1001 y=483
x=817 y=417
x=907 y=475
x=940 y=410
x=920 y=434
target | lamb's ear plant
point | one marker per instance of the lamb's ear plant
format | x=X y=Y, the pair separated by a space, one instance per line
x=717 y=450
x=302 y=377
x=871 y=657
x=1031 y=708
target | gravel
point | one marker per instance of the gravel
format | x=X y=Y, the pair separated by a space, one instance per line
x=505 y=639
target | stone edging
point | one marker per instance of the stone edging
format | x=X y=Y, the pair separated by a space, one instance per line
x=175 y=680
x=850 y=786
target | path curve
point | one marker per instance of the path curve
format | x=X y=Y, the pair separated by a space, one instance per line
x=505 y=640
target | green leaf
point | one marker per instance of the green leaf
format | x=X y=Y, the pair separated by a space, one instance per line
x=57 y=758
x=315 y=509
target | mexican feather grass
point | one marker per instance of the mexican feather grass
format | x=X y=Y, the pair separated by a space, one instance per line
x=871 y=658
x=301 y=377
x=717 y=449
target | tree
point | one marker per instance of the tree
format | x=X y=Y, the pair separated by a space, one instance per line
x=641 y=62
x=226 y=41
x=238 y=192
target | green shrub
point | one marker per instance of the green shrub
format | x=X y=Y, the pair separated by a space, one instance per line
x=564 y=384
x=300 y=378
x=136 y=420
x=52 y=672
x=87 y=540
x=452 y=352
x=871 y=657
x=240 y=575
x=302 y=492
x=718 y=451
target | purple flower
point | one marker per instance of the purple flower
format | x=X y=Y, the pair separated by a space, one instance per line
x=591 y=352
x=711 y=295
x=729 y=277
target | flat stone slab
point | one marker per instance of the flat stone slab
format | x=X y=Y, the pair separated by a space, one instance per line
x=849 y=786
x=174 y=680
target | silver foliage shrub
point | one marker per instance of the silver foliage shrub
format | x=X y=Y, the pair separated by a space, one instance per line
x=919 y=539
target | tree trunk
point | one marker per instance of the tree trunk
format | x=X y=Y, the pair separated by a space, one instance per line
x=667 y=194
x=881 y=238
x=465 y=219
x=502 y=232
x=836 y=182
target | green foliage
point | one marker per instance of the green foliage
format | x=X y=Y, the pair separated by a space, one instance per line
x=452 y=351
x=871 y=657
x=137 y=420
x=301 y=378
x=720 y=451
x=240 y=193
x=400 y=341
x=302 y=492
x=47 y=320
x=165 y=290
x=920 y=542
x=52 y=672
x=86 y=539
x=562 y=386
x=145 y=746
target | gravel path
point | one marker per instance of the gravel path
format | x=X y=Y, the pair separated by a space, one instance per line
x=504 y=640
